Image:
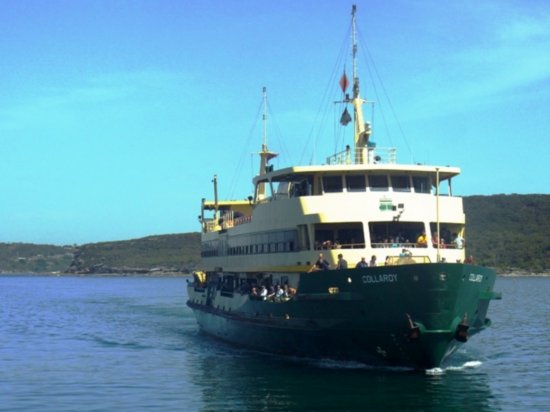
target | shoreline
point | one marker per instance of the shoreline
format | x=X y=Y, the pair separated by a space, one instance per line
x=98 y=275
x=155 y=274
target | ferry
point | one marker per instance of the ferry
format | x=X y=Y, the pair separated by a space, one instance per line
x=359 y=259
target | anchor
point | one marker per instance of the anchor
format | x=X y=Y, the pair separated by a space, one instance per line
x=414 y=331
x=461 y=333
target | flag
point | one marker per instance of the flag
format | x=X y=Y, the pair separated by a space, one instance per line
x=344 y=82
x=346 y=118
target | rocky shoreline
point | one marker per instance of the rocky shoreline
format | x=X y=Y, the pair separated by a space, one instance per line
x=101 y=269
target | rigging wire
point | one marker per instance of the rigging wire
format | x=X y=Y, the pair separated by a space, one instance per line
x=244 y=154
x=318 y=126
x=369 y=56
x=283 y=152
x=251 y=135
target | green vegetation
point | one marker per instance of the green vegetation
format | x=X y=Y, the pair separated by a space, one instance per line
x=165 y=253
x=31 y=258
x=510 y=233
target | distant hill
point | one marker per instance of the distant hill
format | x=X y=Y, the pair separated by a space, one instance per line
x=31 y=258
x=164 y=253
x=510 y=233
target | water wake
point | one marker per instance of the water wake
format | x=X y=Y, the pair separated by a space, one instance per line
x=466 y=365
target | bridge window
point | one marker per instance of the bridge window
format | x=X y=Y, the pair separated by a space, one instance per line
x=421 y=184
x=355 y=183
x=378 y=183
x=400 y=183
x=332 y=184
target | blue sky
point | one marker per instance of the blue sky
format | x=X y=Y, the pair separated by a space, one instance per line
x=115 y=115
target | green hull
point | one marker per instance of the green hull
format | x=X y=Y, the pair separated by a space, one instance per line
x=408 y=315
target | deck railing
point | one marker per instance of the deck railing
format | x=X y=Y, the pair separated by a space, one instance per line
x=378 y=155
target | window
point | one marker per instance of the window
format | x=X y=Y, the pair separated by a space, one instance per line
x=400 y=183
x=303 y=238
x=421 y=184
x=449 y=233
x=378 y=182
x=394 y=234
x=355 y=183
x=283 y=189
x=339 y=235
x=332 y=184
x=302 y=187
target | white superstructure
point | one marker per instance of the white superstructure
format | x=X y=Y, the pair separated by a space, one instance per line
x=361 y=203
x=358 y=210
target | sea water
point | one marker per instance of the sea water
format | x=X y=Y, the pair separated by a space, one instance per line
x=131 y=344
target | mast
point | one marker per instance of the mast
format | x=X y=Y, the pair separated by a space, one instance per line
x=362 y=130
x=265 y=154
x=216 y=204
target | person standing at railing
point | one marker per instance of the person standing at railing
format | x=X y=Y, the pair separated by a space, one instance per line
x=458 y=241
x=362 y=263
x=342 y=263
x=372 y=262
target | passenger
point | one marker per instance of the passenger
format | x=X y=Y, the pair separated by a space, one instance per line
x=422 y=241
x=342 y=263
x=362 y=263
x=470 y=260
x=458 y=241
x=279 y=294
x=321 y=264
x=286 y=291
x=271 y=293
x=438 y=241
x=263 y=293
x=372 y=262
x=387 y=262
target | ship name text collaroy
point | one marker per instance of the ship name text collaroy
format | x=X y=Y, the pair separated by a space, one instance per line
x=475 y=278
x=385 y=278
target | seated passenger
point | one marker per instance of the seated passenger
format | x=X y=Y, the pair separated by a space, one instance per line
x=280 y=293
x=290 y=291
x=270 y=293
x=422 y=241
x=320 y=264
